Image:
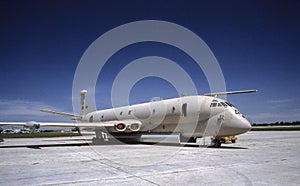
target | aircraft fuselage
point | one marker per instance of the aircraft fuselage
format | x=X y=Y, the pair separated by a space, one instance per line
x=191 y=116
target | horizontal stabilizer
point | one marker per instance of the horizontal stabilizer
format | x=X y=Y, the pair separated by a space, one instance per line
x=231 y=92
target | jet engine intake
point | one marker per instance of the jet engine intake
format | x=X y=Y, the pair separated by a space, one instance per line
x=134 y=127
x=120 y=127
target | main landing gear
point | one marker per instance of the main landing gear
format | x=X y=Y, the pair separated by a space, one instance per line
x=101 y=138
x=216 y=142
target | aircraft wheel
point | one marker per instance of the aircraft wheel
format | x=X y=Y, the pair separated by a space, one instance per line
x=216 y=143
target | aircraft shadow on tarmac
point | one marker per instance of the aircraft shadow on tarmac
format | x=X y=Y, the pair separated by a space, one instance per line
x=114 y=143
x=45 y=145
x=194 y=145
x=227 y=147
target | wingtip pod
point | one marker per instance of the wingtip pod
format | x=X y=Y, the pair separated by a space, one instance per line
x=32 y=125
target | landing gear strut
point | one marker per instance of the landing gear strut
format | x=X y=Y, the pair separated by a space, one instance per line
x=101 y=137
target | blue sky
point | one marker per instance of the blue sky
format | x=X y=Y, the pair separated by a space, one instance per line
x=255 y=42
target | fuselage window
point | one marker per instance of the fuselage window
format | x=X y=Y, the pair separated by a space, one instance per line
x=184 y=110
x=129 y=112
x=173 y=109
x=121 y=113
x=219 y=105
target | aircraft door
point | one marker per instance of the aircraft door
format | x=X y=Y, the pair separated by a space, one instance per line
x=184 y=109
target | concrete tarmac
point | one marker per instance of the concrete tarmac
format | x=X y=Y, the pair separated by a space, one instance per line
x=258 y=158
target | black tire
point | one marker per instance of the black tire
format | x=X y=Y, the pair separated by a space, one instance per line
x=216 y=143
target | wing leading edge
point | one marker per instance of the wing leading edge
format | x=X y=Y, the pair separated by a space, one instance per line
x=59 y=124
x=230 y=92
x=119 y=125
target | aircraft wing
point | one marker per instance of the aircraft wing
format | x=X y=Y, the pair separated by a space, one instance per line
x=230 y=92
x=73 y=116
x=34 y=124
x=120 y=125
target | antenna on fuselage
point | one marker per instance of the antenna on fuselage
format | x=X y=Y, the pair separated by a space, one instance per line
x=84 y=108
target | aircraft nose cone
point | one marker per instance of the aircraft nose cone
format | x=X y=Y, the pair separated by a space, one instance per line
x=242 y=126
x=235 y=127
x=245 y=126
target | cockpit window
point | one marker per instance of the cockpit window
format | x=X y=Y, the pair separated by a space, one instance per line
x=231 y=105
x=213 y=104
x=216 y=104
x=224 y=104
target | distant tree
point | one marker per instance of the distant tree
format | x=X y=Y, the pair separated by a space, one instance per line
x=277 y=123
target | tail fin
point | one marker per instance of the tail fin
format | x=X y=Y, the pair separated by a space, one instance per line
x=84 y=108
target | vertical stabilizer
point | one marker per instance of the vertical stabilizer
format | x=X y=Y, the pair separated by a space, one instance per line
x=84 y=108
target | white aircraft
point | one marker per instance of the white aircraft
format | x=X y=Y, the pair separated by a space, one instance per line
x=191 y=117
